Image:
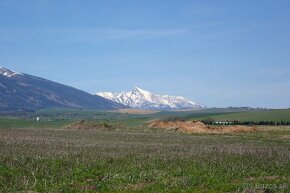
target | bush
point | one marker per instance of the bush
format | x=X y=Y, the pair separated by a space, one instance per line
x=208 y=121
x=172 y=118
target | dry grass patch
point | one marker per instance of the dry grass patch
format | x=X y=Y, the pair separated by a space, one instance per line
x=198 y=127
x=90 y=125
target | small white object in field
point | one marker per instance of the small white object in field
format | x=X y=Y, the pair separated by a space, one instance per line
x=37 y=119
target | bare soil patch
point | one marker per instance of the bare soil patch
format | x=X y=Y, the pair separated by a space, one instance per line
x=198 y=127
x=90 y=125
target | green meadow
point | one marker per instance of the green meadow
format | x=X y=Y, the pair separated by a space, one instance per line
x=264 y=115
x=48 y=156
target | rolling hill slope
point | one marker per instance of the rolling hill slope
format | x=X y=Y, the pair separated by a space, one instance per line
x=25 y=92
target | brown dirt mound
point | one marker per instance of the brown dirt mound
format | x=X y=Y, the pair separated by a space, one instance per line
x=90 y=125
x=198 y=127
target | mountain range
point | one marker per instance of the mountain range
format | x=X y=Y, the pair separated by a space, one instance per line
x=20 y=91
x=142 y=99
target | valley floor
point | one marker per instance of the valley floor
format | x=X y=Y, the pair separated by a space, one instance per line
x=143 y=160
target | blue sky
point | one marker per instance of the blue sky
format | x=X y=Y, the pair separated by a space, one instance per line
x=221 y=53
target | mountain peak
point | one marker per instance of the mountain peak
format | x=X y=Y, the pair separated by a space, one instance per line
x=137 y=89
x=8 y=73
x=141 y=99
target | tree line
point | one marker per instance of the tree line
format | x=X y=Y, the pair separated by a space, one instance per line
x=210 y=121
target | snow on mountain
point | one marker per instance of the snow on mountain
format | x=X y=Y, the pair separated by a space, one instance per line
x=8 y=73
x=142 y=99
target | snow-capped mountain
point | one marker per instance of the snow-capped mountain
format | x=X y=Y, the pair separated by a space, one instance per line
x=8 y=73
x=142 y=99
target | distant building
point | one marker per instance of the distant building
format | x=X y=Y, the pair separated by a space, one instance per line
x=223 y=123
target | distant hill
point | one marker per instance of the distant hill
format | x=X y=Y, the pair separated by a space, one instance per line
x=25 y=92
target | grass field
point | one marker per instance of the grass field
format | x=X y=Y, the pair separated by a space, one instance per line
x=264 y=115
x=53 y=159
x=228 y=114
x=47 y=157
x=19 y=123
x=218 y=114
x=76 y=114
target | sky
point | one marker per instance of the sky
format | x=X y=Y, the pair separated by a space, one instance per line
x=218 y=52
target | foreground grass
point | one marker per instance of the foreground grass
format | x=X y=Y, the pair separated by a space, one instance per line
x=64 y=160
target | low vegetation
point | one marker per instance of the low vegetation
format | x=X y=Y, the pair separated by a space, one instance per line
x=92 y=125
x=137 y=159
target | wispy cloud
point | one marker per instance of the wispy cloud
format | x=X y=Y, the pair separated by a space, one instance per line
x=205 y=32
x=82 y=35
